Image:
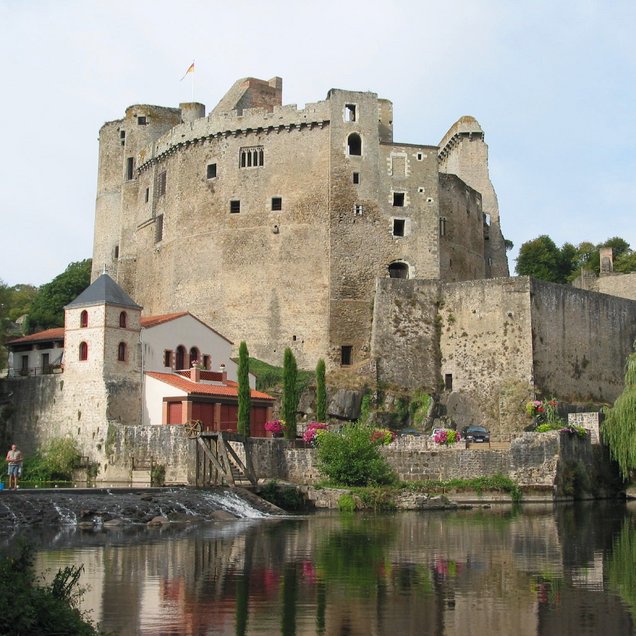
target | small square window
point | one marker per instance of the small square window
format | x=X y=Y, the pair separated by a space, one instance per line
x=211 y=173
x=398 y=199
x=235 y=207
x=277 y=204
x=356 y=178
x=420 y=156
x=398 y=227
x=141 y=120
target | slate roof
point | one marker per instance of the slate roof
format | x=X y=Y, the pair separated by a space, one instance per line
x=104 y=291
x=228 y=389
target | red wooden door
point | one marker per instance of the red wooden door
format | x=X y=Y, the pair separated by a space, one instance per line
x=258 y=417
x=204 y=411
x=175 y=413
x=229 y=416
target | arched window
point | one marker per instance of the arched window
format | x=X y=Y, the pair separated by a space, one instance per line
x=354 y=144
x=123 y=319
x=83 y=351
x=180 y=359
x=121 y=352
x=398 y=270
x=84 y=319
x=194 y=356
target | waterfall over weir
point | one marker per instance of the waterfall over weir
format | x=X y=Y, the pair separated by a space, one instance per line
x=115 y=507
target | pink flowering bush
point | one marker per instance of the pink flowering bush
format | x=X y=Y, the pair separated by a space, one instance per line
x=275 y=427
x=312 y=431
x=446 y=437
x=544 y=411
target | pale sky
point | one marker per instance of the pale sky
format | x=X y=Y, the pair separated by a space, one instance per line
x=552 y=83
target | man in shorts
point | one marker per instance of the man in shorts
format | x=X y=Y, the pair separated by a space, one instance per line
x=14 y=462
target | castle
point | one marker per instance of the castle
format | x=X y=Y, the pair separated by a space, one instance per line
x=273 y=223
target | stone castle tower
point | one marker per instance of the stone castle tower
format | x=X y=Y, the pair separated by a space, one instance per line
x=273 y=223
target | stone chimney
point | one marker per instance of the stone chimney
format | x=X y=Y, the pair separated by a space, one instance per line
x=195 y=374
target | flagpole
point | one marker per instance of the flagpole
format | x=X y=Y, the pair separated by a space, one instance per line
x=192 y=78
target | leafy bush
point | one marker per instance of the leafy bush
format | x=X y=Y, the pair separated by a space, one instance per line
x=351 y=458
x=346 y=503
x=55 y=461
x=28 y=608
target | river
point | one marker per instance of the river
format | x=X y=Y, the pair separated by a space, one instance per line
x=527 y=570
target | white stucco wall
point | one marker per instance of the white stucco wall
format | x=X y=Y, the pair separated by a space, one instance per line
x=154 y=392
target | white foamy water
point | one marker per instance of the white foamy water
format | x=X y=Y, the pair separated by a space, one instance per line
x=232 y=503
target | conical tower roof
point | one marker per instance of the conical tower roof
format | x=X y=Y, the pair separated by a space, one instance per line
x=104 y=291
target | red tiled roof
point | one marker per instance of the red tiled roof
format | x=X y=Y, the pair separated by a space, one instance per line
x=151 y=321
x=197 y=388
x=57 y=333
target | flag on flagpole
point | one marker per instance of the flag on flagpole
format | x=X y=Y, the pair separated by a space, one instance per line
x=190 y=70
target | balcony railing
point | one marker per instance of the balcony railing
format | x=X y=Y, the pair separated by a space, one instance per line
x=30 y=372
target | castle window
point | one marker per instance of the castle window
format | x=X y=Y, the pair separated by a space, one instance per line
x=442 y=226
x=356 y=178
x=206 y=362
x=211 y=170
x=130 y=168
x=251 y=157
x=122 y=137
x=121 y=352
x=398 y=227
x=235 y=207
x=448 y=381
x=123 y=319
x=147 y=195
x=398 y=270
x=84 y=319
x=180 y=361
x=398 y=199
x=116 y=251
x=83 y=351
x=159 y=228
x=194 y=356
x=350 y=112
x=161 y=184
x=346 y=355
x=277 y=204
x=141 y=120
x=354 y=144
x=167 y=358
x=358 y=209
x=420 y=156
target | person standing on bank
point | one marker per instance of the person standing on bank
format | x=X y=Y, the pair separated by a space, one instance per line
x=14 y=461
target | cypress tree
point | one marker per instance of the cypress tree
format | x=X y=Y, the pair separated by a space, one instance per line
x=619 y=428
x=321 y=392
x=244 y=399
x=290 y=394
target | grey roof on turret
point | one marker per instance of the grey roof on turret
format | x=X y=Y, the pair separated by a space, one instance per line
x=104 y=291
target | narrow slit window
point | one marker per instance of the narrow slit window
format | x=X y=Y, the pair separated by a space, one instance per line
x=130 y=168
x=356 y=178
x=211 y=170
x=235 y=207
x=448 y=381
x=162 y=184
x=442 y=226
x=147 y=195
x=121 y=352
x=277 y=204
x=159 y=228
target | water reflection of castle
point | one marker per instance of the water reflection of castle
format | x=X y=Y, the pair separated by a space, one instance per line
x=465 y=573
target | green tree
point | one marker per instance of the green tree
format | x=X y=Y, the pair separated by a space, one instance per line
x=321 y=392
x=47 y=308
x=625 y=263
x=244 y=399
x=540 y=258
x=619 y=428
x=351 y=458
x=290 y=393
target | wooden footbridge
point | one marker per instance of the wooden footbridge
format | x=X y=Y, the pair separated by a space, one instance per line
x=217 y=462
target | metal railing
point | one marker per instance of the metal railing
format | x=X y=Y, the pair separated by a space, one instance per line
x=30 y=372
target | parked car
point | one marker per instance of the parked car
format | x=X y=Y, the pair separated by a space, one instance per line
x=409 y=431
x=474 y=433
